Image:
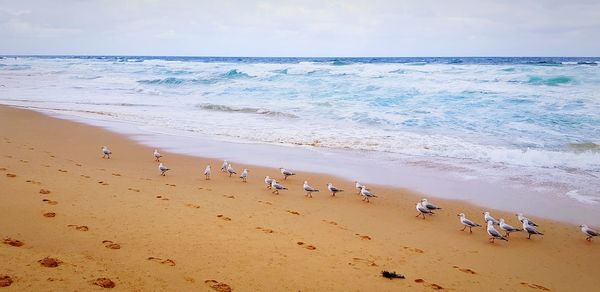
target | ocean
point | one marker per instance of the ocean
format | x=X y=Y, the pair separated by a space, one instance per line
x=515 y=133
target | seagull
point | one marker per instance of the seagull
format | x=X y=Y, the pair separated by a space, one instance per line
x=493 y=232
x=106 y=152
x=366 y=194
x=207 y=172
x=309 y=190
x=488 y=218
x=589 y=232
x=333 y=190
x=428 y=205
x=157 y=155
x=230 y=170
x=224 y=166
x=508 y=228
x=423 y=210
x=530 y=229
x=467 y=223
x=268 y=181
x=244 y=175
x=286 y=173
x=163 y=169
x=277 y=187
x=358 y=186
x=523 y=218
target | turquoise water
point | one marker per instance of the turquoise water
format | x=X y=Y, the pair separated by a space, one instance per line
x=529 y=121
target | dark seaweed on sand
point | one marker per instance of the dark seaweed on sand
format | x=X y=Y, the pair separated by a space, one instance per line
x=391 y=275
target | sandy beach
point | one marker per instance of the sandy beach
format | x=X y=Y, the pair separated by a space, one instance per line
x=119 y=219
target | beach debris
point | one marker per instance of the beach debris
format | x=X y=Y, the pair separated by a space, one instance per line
x=366 y=194
x=162 y=168
x=589 y=232
x=467 y=223
x=531 y=230
x=422 y=210
x=244 y=175
x=494 y=233
x=157 y=155
x=105 y=283
x=207 y=172
x=488 y=218
x=106 y=152
x=508 y=228
x=286 y=173
x=49 y=262
x=276 y=187
x=309 y=190
x=5 y=281
x=333 y=190
x=391 y=275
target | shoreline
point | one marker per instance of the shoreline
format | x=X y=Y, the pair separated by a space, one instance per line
x=385 y=171
x=240 y=233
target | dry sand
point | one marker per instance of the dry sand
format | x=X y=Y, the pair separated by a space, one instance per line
x=77 y=221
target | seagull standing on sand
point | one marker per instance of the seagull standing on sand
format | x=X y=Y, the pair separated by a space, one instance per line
x=224 y=166
x=207 y=172
x=163 y=169
x=530 y=229
x=309 y=190
x=244 y=175
x=230 y=170
x=276 y=187
x=508 y=228
x=523 y=218
x=428 y=205
x=422 y=210
x=467 y=223
x=366 y=194
x=589 y=232
x=157 y=155
x=493 y=232
x=286 y=173
x=358 y=186
x=106 y=152
x=489 y=218
x=268 y=181
x=333 y=190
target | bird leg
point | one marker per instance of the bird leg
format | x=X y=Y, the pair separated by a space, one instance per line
x=470 y=229
x=464 y=228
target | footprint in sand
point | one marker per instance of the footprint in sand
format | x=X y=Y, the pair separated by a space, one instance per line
x=78 y=164
x=218 y=286
x=229 y=196
x=265 y=230
x=266 y=203
x=535 y=286
x=44 y=191
x=62 y=170
x=79 y=227
x=192 y=206
x=169 y=262
x=414 y=249
x=33 y=182
x=86 y=176
x=11 y=175
x=134 y=190
x=363 y=237
x=5 y=281
x=50 y=214
x=465 y=270
x=162 y=198
x=368 y=262
x=3 y=169
x=111 y=245
x=104 y=283
x=223 y=217
x=24 y=161
x=50 y=262
x=432 y=285
x=103 y=183
x=116 y=174
x=293 y=212
x=50 y=202
x=170 y=185
x=13 y=242
x=307 y=246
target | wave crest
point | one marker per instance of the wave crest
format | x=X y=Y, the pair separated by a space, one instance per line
x=246 y=110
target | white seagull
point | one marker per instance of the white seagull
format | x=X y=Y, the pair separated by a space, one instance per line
x=589 y=232
x=428 y=205
x=358 y=186
x=286 y=173
x=268 y=181
x=309 y=190
x=163 y=169
x=230 y=170
x=467 y=223
x=244 y=175
x=488 y=218
x=493 y=232
x=422 y=210
x=530 y=229
x=224 y=166
x=333 y=190
x=207 y=172
x=157 y=155
x=508 y=228
x=106 y=152
x=366 y=194
x=523 y=218
x=276 y=187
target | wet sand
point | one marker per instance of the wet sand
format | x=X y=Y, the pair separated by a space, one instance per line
x=71 y=220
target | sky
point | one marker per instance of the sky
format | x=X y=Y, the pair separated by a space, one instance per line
x=374 y=28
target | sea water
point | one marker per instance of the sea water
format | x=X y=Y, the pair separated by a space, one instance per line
x=490 y=130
